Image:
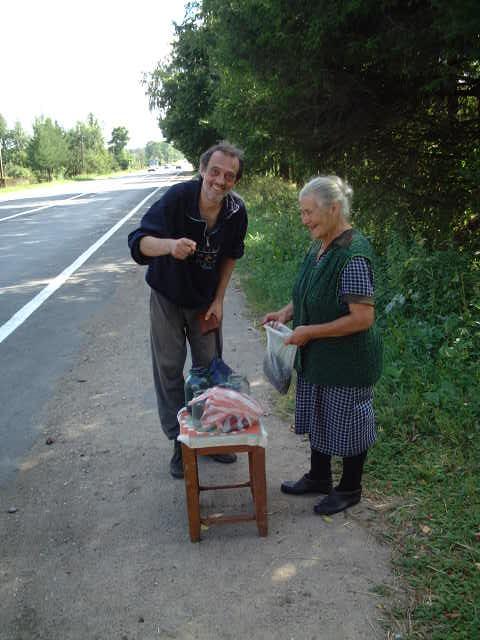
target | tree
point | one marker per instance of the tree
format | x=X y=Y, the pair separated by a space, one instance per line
x=183 y=90
x=387 y=93
x=117 y=146
x=87 y=152
x=16 y=147
x=13 y=149
x=47 y=148
x=169 y=153
x=161 y=152
x=137 y=156
x=153 y=152
x=3 y=129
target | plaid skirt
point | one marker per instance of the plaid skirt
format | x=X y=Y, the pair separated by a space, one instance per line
x=339 y=420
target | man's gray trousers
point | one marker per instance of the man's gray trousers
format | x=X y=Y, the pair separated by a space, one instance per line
x=170 y=327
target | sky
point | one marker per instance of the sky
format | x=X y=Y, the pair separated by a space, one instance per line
x=65 y=59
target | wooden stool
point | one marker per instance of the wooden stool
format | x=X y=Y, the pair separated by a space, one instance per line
x=257 y=484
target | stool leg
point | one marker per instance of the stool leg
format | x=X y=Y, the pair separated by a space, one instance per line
x=190 y=470
x=260 y=490
x=250 y=471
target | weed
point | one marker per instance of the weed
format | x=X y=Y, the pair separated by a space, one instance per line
x=427 y=402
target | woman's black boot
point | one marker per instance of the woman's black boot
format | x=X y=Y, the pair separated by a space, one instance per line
x=317 y=480
x=349 y=491
x=337 y=501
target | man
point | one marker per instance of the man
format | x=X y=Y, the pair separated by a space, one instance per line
x=190 y=239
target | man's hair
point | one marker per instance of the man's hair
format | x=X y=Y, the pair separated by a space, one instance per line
x=225 y=147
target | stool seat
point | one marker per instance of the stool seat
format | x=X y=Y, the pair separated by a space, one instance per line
x=251 y=441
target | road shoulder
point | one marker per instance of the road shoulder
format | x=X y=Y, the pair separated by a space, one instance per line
x=99 y=545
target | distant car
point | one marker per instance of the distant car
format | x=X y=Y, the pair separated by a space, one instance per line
x=152 y=166
x=178 y=166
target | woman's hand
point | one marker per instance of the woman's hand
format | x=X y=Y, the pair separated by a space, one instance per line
x=300 y=336
x=283 y=315
x=360 y=318
x=273 y=316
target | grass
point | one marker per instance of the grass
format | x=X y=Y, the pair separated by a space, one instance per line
x=427 y=456
x=80 y=178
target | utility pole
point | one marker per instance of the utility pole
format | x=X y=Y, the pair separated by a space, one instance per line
x=3 y=182
x=81 y=153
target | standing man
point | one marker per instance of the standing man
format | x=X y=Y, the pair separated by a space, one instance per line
x=190 y=239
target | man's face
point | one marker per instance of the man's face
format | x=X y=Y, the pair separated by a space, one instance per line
x=219 y=176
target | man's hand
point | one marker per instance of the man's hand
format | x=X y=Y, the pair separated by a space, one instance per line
x=183 y=248
x=155 y=247
x=216 y=309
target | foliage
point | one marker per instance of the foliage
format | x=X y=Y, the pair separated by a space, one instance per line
x=137 y=158
x=183 y=90
x=275 y=240
x=385 y=93
x=161 y=152
x=153 y=152
x=117 y=145
x=14 y=143
x=77 y=153
x=87 y=153
x=23 y=174
x=427 y=404
x=47 y=148
x=3 y=129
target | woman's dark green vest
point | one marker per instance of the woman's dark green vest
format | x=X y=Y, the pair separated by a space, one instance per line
x=351 y=361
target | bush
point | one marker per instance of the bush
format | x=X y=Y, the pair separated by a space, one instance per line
x=21 y=174
x=276 y=241
x=427 y=402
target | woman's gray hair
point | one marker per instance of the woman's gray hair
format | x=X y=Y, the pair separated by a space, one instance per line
x=329 y=189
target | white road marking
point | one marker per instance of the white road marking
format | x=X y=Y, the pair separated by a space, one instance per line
x=22 y=314
x=50 y=204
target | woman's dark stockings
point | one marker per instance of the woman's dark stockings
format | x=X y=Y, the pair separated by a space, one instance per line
x=321 y=471
x=352 y=472
x=320 y=467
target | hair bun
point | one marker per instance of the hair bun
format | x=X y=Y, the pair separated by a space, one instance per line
x=346 y=189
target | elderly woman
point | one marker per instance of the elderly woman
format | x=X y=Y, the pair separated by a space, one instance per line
x=339 y=355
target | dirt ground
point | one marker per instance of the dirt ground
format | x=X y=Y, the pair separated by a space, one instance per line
x=99 y=547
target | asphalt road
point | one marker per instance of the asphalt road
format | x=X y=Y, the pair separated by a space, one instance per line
x=62 y=254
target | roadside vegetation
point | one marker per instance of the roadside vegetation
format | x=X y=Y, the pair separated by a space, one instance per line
x=385 y=93
x=20 y=185
x=426 y=464
x=53 y=153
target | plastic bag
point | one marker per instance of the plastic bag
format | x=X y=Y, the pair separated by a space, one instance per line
x=219 y=371
x=279 y=358
x=224 y=410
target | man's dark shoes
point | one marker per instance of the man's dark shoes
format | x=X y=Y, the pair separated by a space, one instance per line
x=337 y=501
x=225 y=458
x=176 y=463
x=305 y=485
